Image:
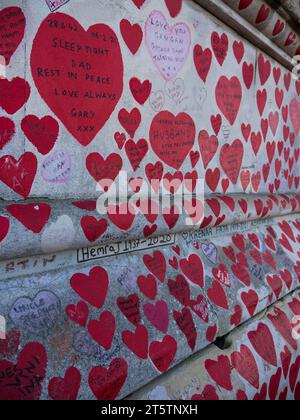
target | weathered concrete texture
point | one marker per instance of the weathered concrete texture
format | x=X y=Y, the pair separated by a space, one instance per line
x=53 y=226
x=261 y=14
x=261 y=361
x=292 y=7
x=151 y=310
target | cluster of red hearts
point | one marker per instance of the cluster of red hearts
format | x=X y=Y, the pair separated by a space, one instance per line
x=258 y=348
x=202 y=288
x=221 y=171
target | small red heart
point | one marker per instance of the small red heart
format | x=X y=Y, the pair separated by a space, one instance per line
x=33 y=216
x=220 y=372
x=93 y=229
x=7 y=131
x=103 y=331
x=132 y=35
x=79 y=313
x=42 y=133
x=13 y=94
x=245 y=364
x=163 y=353
x=217 y=295
x=140 y=90
x=65 y=389
x=137 y=342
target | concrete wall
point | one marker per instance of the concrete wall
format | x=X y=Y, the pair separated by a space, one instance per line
x=101 y=299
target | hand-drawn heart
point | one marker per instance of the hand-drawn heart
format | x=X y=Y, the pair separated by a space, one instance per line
x=275 y=284
x=156 y=264
x=264 y=68
x=104 y=171
x=248 y=74
x=165 y=131
x=231 y=158
x=250 y=300
x=132 y=35
x=216 y=123
x=96 y=65
x=67 y=388
x=92 y=228
x=9 y=347
x=185 y=322
x=245 y=364
x=274 y=384
x=209 y=394
x=180 y=290
x=295 y=114
x=238 y=50
x=229 y=97
x=12 y=31
x=162 y=41
x=79 y=313
x=140 y=91
x=174 y=7
x=42 y=133
x=220 y=372
x=19 y=174
x=220 y=46
x=202 y=60
x=294 y=374
x=192 y=268
x=263 y=343
x=103 y=330
x=200 y=308
x=136 y=152
x=286 y=359
x=24 y=381
x=106 y=384
x=212 y=178
x=7 y=131
x=33 y=216
x=210 y=251
x=282 y=324
x=130 y=308
x=122 y=216
x=137 y=342
x=217 y=295
x=163 y=353
x=13 y=94
x=4 y=227
x=93 y=287
x=263 y=14
x=158 y=315
x=208 y=147
x=130 y=121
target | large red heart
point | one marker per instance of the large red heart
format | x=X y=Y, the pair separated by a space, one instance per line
x=33 y=216
x=263 y=343
x=245 y=364
x=93 y=228
x=106 y=384
x=19 y=175
x=158 y=315
x=103 y=330
x=220 y=46
x=162 y=353
x=130 y=308
x=7 y=131
x=229 y=97
x=132 y=35
x=23 y=381
x=231 y=158
x=220 y=372
x=202 y=60
x=137 y=342
x=192 y=268
x=104 y=171
x=78 y=73
x=93 y=287
x=156 y=264
x=4 y=227
x=217 y=295
x=185 y=322
x=42 y=133
x=282 y=324
x=13 y=94
x=65 y=389
x=11 y=31
x=208 y=147
x=172 y=137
